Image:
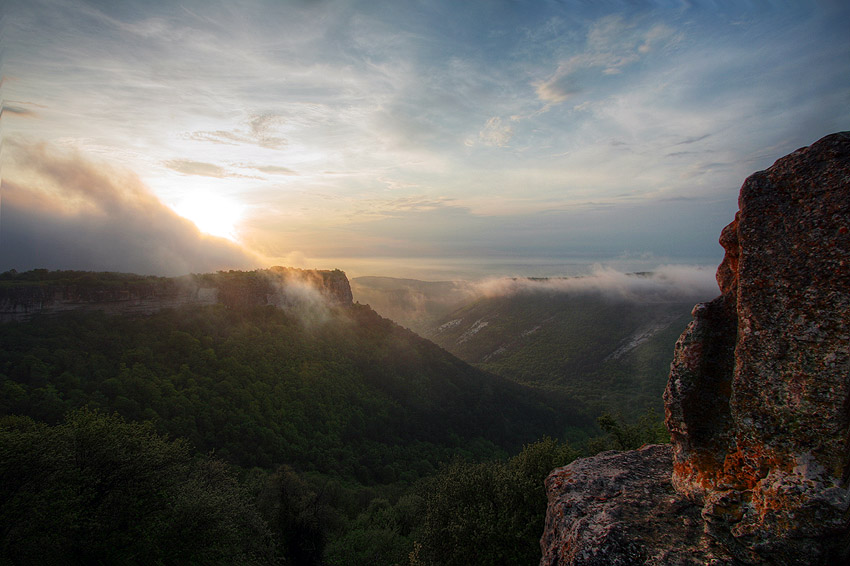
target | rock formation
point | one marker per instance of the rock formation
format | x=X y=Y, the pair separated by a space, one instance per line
x=23 y=296
x=758 y=399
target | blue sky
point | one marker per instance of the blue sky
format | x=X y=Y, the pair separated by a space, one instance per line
x=401 y=138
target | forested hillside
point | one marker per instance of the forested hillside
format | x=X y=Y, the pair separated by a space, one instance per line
x=412 y=303
x=330 y=435
x=339 y=390
x=605 y=339
x=610 y=353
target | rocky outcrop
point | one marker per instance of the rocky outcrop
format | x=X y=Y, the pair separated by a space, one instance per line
x=760 y=425
x=332 y=284
x=758 y=399
x=46 y=293
x=280 y=286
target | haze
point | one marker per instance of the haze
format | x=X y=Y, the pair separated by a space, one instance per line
x=414 y=139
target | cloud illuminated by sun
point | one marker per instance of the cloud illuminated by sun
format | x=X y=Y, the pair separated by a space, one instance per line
x=212 y=214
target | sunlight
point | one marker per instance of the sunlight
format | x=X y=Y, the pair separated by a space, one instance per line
x=212 y=214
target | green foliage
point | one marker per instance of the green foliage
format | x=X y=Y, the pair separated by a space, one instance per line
x=356 y=397
x=649 y=429
x=43 y=277
x=98 y=490
x=571 y=343
x=300 y=517
x=345 y=426
x=489 y=512
x=379 y=535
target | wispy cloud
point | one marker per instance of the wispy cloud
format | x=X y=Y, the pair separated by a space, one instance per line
x=612 y=44
x=496 y=133
x=196 y=168
x=272 y=169
x=20 y=111
x=260 y=130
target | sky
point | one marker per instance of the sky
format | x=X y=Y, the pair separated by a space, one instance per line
x=430 y=139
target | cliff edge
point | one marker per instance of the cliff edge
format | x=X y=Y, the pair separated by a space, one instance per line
x=23 y=295
x=757 y=402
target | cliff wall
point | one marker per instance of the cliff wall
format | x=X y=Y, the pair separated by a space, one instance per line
x=757 y=403
x=25 y=295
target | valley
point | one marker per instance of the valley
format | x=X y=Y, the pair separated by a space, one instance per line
x=608 y=348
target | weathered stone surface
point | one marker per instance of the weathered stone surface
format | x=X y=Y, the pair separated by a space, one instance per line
x=619 y=509
x=758 y=401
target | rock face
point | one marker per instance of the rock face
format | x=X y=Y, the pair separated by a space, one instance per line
x=22 y=302
x=758 y=399
x=130 y=294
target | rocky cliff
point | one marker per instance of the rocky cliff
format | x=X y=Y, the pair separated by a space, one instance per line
x=41 y=292
x=757 y=403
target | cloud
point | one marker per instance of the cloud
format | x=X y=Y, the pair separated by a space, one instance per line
x=63 y=211
x=273 y=169
x=395 y=184
x=611 y=45
x=655 y=35
x=260 y=130
x=301 y=296
x=666 y=283
x=559 y=88
x=219 y=137
x=196 y=168
x=17 y=111
x=693 y=139
x=202 y=169
x=495 y=133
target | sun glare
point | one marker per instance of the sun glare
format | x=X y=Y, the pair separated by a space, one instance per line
x=213 y=215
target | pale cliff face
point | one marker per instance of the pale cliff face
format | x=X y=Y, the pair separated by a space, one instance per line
x=125 y=294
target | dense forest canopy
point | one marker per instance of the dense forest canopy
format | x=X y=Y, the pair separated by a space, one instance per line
x=353 y=440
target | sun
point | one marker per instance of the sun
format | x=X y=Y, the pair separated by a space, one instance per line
x=212 y=214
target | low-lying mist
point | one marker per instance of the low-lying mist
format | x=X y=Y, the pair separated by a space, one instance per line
x=665 y=283
x=302 y=298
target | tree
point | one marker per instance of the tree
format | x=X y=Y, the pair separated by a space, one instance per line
x=98 y=490
x=649 y=429
x=489 y=513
